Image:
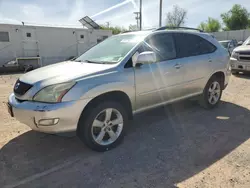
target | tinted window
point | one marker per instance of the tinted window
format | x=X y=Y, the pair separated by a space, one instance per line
x=163 y=45
x=192 y=45
x=4 y=37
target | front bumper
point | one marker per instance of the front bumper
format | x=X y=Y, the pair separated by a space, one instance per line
x=32 y=113
x=239 y=65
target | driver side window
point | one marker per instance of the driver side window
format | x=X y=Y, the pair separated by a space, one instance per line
x=163 y=45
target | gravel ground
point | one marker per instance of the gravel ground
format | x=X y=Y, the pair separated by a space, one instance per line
x=181 y=145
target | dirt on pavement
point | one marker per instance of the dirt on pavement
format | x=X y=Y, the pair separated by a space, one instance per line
x=180 y=145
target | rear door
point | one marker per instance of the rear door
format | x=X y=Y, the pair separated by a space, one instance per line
x=195 y=54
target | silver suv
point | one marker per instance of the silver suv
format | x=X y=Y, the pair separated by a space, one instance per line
x=96 y=94
x=240 y=58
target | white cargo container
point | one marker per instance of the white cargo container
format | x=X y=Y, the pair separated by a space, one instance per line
x=45 y=45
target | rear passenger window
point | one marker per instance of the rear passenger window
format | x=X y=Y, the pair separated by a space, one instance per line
x=206 y=47
x=192 y=45
x=163 y=45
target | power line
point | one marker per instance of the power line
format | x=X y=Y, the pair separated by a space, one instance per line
x=140 y=14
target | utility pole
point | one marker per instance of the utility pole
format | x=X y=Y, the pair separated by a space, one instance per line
x=107 y=24
x=160 y=14
x=140 y=14
x=137 y=17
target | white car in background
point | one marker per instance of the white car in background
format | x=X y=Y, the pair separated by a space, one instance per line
x=230 y=45
x=240 y=59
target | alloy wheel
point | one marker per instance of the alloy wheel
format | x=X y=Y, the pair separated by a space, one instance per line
x=214 y=92
x=107 y=126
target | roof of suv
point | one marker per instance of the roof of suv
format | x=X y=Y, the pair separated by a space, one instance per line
x=145 y=33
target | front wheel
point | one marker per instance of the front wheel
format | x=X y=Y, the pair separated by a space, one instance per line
x=102 y=127
x=212 y=93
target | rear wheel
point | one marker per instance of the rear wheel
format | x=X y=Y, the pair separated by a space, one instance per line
x=212 y=93
x=102 y=127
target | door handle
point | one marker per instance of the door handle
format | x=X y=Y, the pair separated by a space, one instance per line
x=177 y=66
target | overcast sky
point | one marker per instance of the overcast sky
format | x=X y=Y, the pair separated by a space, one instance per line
x=68 y=12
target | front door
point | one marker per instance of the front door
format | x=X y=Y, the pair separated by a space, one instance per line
x=159 y=82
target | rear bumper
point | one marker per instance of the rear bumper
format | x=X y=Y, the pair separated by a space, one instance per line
x=227 y=77
x=239 y=65
x=32 y=114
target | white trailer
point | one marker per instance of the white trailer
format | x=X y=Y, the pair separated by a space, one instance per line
x=45 y=45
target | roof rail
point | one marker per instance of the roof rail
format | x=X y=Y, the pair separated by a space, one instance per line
x=169 y=27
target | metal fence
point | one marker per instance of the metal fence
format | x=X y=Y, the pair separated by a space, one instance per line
x=239 y=35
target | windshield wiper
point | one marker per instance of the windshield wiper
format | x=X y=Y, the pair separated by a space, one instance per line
x=97 y=62
x=78 y=60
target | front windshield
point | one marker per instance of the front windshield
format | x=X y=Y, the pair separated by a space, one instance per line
x=112 y=50
x=247 y=42
x=224 y=44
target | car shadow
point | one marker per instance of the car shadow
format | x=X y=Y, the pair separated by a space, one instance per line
x=162 y=147
x=245 y=75
x=10 y=70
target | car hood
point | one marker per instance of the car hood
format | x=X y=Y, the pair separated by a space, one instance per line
x=245 y=48
x=64 y=71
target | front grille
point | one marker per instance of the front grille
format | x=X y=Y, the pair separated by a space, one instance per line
x=245 y=53
x=21 y=88
x=245 y=58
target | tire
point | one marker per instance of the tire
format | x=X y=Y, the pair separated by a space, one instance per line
x=88 y=133
x=205 y=99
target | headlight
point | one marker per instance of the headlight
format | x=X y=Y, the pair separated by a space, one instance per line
x=235 y=55
x=53 y=93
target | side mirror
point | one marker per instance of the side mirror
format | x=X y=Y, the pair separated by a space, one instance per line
x=147 y=57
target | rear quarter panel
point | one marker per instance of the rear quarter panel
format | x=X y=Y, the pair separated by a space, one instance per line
x=220 y=59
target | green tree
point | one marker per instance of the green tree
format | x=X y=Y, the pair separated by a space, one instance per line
x=115 y=30
x=203 y=26
x=211 y=25
x=236 y=18
x=177 y=17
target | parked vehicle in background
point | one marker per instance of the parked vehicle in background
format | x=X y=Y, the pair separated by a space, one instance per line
x=11 y=64
x=240 y=43
x=240 y=59
x=97 y=93
x=230 y=45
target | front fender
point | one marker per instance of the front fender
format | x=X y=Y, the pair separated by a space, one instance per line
x=83 y=91
x=128 y=89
